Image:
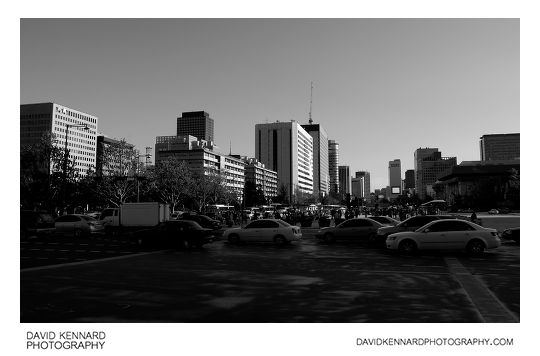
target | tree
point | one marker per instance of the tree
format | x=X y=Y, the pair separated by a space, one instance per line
x=172 y=181
x=204 y=187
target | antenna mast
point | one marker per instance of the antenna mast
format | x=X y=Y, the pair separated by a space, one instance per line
x=310 y=103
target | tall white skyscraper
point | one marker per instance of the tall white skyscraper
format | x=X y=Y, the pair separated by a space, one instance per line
x=285 y=147
x=321 y=177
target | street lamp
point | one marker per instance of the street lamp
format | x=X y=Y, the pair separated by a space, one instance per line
x=66 y=154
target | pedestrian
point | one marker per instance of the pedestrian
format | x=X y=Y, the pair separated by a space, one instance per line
x=474 y=217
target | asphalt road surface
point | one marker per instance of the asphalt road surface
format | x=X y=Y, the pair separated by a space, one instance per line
x=114 y=281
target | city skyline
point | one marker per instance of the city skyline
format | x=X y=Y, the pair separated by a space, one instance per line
x=382 y=87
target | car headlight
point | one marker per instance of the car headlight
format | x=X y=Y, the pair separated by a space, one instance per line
x=391 y=238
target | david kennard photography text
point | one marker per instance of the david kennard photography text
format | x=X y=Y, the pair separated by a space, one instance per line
x=67 y=340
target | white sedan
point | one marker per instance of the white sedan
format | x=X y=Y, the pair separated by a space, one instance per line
x=264 y=230
x=447 y=234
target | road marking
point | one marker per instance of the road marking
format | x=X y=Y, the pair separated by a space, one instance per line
x=31 y=269
x=488 y=306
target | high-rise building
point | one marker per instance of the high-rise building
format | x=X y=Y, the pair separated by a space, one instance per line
x=428 y=164
x=344 y=180
x=70 y=128
x=321 y=178
x=285 y=147
x=196 y=123
x=262 y=177
x=361 y=185
x=498 y=147
x=409 y=179
x=394 y=178
x=333 y=164
x=200 y=158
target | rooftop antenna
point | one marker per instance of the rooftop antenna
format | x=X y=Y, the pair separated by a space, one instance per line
x=230 y=148
x=310 y=103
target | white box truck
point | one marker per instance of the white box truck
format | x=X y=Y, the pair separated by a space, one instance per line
x=135 y=215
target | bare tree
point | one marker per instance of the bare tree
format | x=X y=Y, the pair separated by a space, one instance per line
x=172 y=181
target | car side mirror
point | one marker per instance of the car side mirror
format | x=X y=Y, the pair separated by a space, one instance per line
x=425 y=231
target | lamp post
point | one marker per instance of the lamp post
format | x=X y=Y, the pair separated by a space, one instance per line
x=66 y=154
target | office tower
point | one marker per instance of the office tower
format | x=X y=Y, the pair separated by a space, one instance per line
x=409 y=179
x=344 y=180
x=499 y=147
x=321 y=179
x=394 y=178
x=333 y=164
x=360 y=185
x=428 y=165
x=285 y=147
x=196 y=123
x=70 y=128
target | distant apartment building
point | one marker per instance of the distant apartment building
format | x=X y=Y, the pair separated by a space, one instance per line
x=333 y=164
x=321 y=177
x=499 y=147
x=201 y=159
x=286 y=148
x=428 y=165
x=394 y=178
x=196 y=123
x=74 y=127
x=262 y=177
x=115 y=157
x=344 y=180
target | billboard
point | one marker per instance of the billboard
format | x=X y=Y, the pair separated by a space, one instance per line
x=396 y=190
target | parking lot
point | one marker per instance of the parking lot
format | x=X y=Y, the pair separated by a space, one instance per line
x=115 y=281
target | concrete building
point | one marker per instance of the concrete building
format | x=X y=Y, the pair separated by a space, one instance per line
x=286 y=148
x=428 y=164
x=196 y=123
x=321 y=178
x=115 y=157
x=62 y=122
x=409 y=180
x=498 y=147
x=262 y=177
x=394 y=178
x=201 y=159
x=344 y=180
x=360 y=185
x=333 y=164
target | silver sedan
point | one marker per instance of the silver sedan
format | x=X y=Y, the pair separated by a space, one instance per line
x=445 y=235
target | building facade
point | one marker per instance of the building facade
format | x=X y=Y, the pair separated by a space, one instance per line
x=115 y=157
x=66 y=127
x=394 y=178
x=344 y=180
x=286 y=148
x=499 y=147
x=196 y=123
x=321 y=178
x=262 y=177
x=333 y=164
x=428 y=164
x=360 y=185
x=409 y=180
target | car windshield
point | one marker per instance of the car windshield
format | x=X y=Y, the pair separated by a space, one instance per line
x=88 y=218
x=283 y=223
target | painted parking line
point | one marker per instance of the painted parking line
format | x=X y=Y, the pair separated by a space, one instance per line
x=489 y=307
x=84 y=262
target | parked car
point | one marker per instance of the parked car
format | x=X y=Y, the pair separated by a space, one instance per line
x=264 y=230
x=511 y=234
x=446 y=234
x=356 y=229
x=184 y=234
x=202 y=220
x=38 y=224
x=493 y=211
x=385 y=220
x=78 y=225
x=410 y=224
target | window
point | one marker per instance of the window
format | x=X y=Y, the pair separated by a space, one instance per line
x=68 y=218
x=456 y=225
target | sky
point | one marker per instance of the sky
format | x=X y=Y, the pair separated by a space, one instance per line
x=381 y=87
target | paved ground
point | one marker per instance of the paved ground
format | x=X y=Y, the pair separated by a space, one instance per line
x=306 y=282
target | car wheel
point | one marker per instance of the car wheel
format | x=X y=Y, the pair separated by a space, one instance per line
x=475 y=247
x=407 y=247
x=234 y=239
x=280 y=240
x=77 y=233
x=328 y=238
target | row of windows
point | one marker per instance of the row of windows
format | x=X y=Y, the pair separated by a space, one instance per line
x=75 y=114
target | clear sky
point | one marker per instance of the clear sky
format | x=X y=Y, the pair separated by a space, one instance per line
x=382 y=87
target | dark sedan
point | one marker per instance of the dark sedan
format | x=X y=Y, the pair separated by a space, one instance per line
x=358 y=229
x=175 y=233
x=203 y=220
